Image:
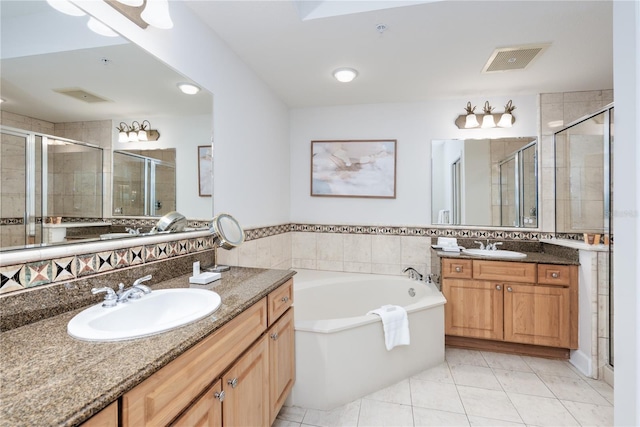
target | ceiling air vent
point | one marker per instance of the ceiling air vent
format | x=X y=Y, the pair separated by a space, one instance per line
x=81 y=95
x=513 y=58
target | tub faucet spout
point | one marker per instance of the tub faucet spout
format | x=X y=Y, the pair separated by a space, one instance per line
x=413 y=274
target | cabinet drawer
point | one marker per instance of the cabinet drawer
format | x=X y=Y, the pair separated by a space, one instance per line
x=549 y=274
x=456 y=268
x=165 y=394
x=279 y=301
x=206 y=412
x=108 y=417
x=521 y=272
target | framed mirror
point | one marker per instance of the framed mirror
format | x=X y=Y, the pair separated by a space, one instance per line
x=80 y=85
x=484 y=182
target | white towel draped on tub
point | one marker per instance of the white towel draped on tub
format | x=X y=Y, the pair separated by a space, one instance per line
x=395 y=324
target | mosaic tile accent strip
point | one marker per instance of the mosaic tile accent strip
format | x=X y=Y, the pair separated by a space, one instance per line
x=11 y=221
x=150 y=253
x=105 y=261
x=172 y=249
x=121 y=258
x=86 y=264
x=162 y=251
x=136 y=255
x=64 y=269
x=183 y=247
x=10 y=278
x=37 y=273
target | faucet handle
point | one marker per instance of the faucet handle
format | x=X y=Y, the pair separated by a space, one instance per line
x=480 y=243
x=137 y=284
x=110 y=299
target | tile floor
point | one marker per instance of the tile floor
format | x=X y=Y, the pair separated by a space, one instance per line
x=473 y=388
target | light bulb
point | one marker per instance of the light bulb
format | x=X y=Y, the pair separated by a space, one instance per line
x=488 y=121
x=156 y=14
x=99 y=28
x=471 y=121
x=345 y=75
x=505 y=120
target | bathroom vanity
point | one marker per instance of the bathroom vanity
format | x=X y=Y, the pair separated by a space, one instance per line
x=240 y=358
x=526 y=306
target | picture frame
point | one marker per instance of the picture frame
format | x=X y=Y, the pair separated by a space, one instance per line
x=354 y=168
x=205 y=165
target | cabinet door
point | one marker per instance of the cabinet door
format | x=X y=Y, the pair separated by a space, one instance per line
x=537 y=315
x=282 y=369
x=246 y=387
x=473 y=309
x=108 y=417
x=206 y=412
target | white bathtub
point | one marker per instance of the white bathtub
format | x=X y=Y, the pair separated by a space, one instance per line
x=340 y=350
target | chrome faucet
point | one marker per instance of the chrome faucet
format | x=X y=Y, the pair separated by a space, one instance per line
x=135 y=291
x=481 y=244
x=135 y=231
x=493 y=246
x=413 y=274
x=110 y=299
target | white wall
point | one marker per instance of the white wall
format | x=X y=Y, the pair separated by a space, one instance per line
x=250 y=125
x=184 y=134
x=414 y=125
x=626 y=216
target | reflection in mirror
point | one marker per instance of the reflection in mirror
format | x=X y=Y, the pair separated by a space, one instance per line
x=486 y=182
x=144 y=182
x=123 y=83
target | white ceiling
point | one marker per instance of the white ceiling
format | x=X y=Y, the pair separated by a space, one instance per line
x=430 y=50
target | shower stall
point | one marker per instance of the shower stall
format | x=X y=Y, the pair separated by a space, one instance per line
x=44 y=177
x=518 y=188
x=584 y=199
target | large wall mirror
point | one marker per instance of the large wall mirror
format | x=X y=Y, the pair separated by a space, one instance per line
x=484 y=182
x=79 y=86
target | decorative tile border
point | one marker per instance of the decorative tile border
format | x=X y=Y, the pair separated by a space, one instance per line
x=38 y=273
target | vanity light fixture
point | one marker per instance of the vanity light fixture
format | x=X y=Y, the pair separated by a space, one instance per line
x=488 y=118
x=66 y=7
x=188 y=88
x=145 y=13
x=99 y=28
x=345 y=75
x=137 y=132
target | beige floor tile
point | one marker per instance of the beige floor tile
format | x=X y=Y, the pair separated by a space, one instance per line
x=435 y=395
x=588 y=414
x=440 y=373
x=573 y=389
x=601 y=387
x=461 y=356
x=423 y=417
x=522 y=382
x=512 y=362
x=343 y=416
x=398 y=393
x=491 y=422
x=284 y=423
x=292 y=413
x=486 y=403
x=475 y=376
x=377 y=414
x=542 y=411
x=558 y=368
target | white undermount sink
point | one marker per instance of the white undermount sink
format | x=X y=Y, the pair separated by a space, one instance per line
x=159 y=311
x=494 y=254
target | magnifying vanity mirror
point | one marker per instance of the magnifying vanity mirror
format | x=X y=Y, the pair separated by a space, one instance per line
x=485 y=182
x=228 y=234
x=123 y=83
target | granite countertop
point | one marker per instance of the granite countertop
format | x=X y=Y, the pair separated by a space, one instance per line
x=49 y=378
x=532 y=257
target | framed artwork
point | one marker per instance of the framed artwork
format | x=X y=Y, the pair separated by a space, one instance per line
x=360 y=168
x=205 y=178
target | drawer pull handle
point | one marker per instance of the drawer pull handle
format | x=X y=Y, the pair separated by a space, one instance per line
x=509 y=289
x=555 y=275
x=233 y=382
x=219 y=395
x=285 y=299
x=274 y=336
x=498 y=287
x=458 y=269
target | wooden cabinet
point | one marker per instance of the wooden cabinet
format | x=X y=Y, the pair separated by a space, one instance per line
x=246 y=387
x=108 y=417
x=206 y=411
x=237 y=376
x=512 y=302
x=282 y=367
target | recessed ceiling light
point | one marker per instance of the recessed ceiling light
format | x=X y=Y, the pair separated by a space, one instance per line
x=188 y=88
x=345 y=75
